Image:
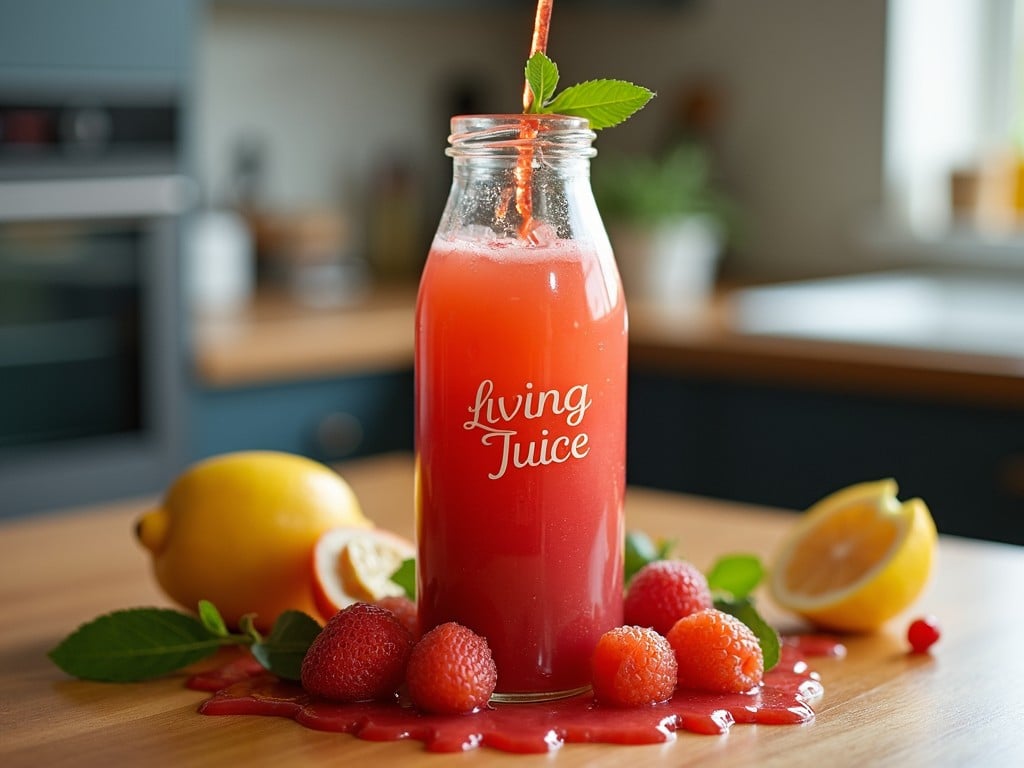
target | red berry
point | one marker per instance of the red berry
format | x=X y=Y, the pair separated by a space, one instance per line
x=404 y=610
x=663 y=592
x=633 y=667
x=451 y=671
x=360 y=655
x=922 y=634
x=716 y=652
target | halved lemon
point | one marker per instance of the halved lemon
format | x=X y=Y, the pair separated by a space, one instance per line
x=353 y=564
x=856 y=558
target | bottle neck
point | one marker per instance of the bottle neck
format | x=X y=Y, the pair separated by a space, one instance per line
x=518 y=175
x=552 y=138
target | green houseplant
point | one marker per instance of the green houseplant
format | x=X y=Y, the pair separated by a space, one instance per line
x=668 y=221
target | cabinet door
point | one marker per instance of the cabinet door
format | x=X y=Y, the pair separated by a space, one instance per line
x=326 y=420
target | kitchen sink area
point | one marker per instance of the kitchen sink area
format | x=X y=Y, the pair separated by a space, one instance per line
x=930 y=309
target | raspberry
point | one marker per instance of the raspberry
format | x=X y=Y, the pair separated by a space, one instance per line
x=922 y=634
x=716 y=652
x=360 y=655
x=633 y=667
x=663 y=592
x=404 y=610
x=451 y=671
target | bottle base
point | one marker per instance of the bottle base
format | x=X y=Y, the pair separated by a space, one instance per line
x=534 y=697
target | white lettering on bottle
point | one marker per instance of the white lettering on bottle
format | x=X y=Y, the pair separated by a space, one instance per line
x=493 y=415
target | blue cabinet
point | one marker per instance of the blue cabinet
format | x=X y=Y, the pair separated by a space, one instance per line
x=328 y=419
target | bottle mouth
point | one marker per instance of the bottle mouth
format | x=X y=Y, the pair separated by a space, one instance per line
x=507 y=135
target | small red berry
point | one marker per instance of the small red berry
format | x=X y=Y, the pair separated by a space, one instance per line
x=922 y=634
x=716 y=652
x=663 y=592
x=360 y=655
x=451 y=671
x=633 y=667
x=404 y=610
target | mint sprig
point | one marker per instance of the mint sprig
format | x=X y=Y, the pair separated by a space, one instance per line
x=142 y=643
x=732 y=580
x=738 y=575
x=604 y=103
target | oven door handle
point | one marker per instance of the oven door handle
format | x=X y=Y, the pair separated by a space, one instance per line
x=167 y=195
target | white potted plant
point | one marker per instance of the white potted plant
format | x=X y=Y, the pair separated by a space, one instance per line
x=667 y=222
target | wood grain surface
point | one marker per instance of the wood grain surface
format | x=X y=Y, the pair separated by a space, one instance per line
x=959 y=706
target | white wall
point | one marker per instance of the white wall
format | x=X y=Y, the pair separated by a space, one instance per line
x=330 y=91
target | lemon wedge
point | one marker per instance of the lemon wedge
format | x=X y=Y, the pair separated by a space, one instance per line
x=856 y=558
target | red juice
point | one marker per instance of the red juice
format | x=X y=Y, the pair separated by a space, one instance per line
x=786 y=698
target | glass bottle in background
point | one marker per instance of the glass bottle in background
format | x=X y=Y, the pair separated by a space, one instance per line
x=521 y=336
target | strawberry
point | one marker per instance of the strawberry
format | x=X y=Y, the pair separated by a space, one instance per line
x=663 y=592
x=451 y=671
x=716 y=652
x=633 y=667
x=360 y=655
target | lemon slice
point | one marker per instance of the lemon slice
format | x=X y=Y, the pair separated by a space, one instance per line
x=856 y=558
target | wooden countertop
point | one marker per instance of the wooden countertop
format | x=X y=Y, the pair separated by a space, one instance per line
x=958 y=706
x=275 y=340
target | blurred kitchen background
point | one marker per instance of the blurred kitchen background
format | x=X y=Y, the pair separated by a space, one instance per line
x=213 y=215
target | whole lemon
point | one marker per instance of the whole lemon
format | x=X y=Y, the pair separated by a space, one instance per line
x=239 y=530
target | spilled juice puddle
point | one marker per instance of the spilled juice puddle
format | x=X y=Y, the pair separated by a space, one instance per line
x=789 y=690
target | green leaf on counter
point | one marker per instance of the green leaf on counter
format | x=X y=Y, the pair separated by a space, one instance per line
x=639 y=550
x=744 y=610
x=247 y=623
x=211 y=619
x=135 y=644
x=738 y=575
x=405 y=577
x=283 y=649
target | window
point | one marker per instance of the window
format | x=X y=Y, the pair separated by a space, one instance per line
x=954 y=117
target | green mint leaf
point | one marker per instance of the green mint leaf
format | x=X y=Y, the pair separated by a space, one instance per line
x=284 y=648
x=134 y=644
x=542 y=77
x=211 y=619
x=247 y=623
x=639 y=550
x=738 y=575
x=744 y=610
x=603 y=102
x=405 y=577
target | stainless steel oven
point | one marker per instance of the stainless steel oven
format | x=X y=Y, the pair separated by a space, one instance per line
x=91 y=373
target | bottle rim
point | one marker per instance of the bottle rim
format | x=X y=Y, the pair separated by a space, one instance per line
x=499 y=135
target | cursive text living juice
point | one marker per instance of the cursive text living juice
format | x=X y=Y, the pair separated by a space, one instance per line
x=521 y=406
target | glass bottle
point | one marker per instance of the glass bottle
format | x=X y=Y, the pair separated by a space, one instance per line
x=521 y=335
